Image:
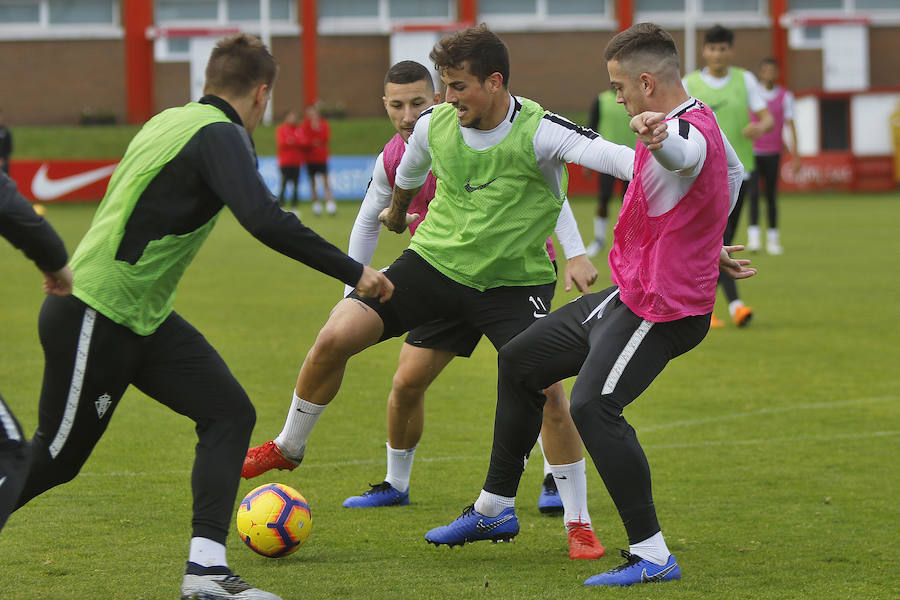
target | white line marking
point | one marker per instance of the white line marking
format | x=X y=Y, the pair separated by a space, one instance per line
x=751 y=442
x=351 y=463
x=764 y=411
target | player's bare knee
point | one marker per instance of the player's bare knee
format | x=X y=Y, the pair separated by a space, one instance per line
x=409 y=384
x=331 y=344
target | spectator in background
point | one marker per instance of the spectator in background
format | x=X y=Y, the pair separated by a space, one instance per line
x=610 y=119
x=732 y=93
x=767 y=153
x=289 y=143
x=6 y=144
x=314 y=130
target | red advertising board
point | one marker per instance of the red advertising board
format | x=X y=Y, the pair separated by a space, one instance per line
x=828 y=171
x=53 y=181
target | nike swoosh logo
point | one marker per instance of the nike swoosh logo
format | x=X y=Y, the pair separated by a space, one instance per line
x=43 y=188
x=560 y=477
x=471 y=189
x=656 y=576
x=482 y=528
x=538 y=315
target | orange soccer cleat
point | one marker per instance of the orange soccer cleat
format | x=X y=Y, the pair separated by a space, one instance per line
x=583 y=542
x=265 y=458
x=742 y=316
x=715 y=322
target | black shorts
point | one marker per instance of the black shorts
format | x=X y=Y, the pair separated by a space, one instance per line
x=423 y=295
x=454 y=335
x=313 y=168
x=289 y=173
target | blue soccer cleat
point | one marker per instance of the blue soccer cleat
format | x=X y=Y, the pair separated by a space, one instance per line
x=637 y=570
x=472 y=526
x=382 y=494
x=549 y=502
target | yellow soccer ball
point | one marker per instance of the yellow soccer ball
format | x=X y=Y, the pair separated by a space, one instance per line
x=274 y=520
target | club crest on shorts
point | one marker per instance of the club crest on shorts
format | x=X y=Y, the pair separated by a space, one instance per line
x=102 y=403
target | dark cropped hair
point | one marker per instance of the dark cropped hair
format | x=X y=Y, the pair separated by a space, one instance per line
x=645 y=47
x=718 y=35
x=409 y=71
x=480 y=47
x=237 y=64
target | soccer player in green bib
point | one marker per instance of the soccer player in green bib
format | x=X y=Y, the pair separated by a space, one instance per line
x=480 y=255
x=732 y=93
x=118 y=327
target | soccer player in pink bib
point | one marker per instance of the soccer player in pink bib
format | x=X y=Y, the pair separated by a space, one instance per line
x=767 y=151
x=666 y=257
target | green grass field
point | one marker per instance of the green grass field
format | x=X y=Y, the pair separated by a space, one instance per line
x=774 y=448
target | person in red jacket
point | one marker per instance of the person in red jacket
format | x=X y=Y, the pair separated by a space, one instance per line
x=290 y=149
x=314 y=130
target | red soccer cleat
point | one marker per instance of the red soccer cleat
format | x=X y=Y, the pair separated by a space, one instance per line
x=583 y=542
x=265 y=458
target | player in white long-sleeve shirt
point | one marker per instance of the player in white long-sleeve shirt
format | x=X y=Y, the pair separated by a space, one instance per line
x=430 y=348
x=665 y=260
x=481 y=253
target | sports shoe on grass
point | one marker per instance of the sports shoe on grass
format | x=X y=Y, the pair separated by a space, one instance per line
x=265 y=458
x=317 y=208
x=218 y=583
x=381 y=494
x=583 y=542
x=331 y=207
x=715 y=322
x=472 y=526
x=549 y=502
x=637 y=570
x=742 y=316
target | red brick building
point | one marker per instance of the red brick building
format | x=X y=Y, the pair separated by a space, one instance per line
x=63 y=59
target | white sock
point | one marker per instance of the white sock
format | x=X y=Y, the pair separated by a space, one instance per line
x=734 y=305
x=399 y=467
x=653 y=549
x=571 y=482
x=491 y=505
x=299 y=424
x=544 y=454
x=207 y=553
x=599 y=228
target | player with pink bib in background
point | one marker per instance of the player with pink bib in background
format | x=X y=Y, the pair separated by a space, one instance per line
x=767 y=150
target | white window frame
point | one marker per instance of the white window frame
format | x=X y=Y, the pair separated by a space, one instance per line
x=43 y=29
x=733 y=19
x=877 y=18
x=382 y=22
x=280 y=28
x=541 y=20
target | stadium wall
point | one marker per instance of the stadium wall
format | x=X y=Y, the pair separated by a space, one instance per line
x=57 y=80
